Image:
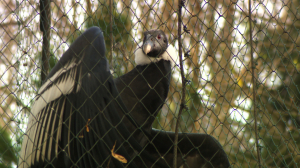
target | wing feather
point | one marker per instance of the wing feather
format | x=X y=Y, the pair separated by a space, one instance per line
x=44 y=133
x=37 y=135
x=80 y=87
x=54 y=128
x=58 y=135
x=69 y=132
x=35 y=148
x=61 y=83
x=29 y=141
x=47 y=108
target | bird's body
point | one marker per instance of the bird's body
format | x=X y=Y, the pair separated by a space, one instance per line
x=145 y=88
x=81 y=112
x=144 y=97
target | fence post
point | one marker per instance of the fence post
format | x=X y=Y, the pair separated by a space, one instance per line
x=45 y=23
x=254 y=88
x=183 y=80
x=111 y=31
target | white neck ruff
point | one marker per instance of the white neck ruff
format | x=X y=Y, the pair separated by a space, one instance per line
x=169 y=55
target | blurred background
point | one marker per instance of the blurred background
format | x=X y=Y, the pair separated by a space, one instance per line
x=217 y=64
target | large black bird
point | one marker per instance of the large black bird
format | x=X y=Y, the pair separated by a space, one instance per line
x=79 y=113
x=144 y=90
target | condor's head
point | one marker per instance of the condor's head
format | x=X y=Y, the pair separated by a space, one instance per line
x=155 y=43
x=155 y=47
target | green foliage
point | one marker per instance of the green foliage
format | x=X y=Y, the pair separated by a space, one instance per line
x=120 y=28
x=52 y=61
x=7 y=151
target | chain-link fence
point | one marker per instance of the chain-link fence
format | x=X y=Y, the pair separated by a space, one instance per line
x=240 y=78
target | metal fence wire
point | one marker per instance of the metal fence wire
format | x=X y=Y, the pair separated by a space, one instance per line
x=236 y=80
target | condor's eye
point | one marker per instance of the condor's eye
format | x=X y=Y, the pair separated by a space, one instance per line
x=159 y=36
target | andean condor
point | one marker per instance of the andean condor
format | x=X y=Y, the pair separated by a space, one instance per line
x=80 y=112
x=144 y=90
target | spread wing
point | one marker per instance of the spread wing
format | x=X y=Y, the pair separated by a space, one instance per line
x=194 y=150
x=74 y=121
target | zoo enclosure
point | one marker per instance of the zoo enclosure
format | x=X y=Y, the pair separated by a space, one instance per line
x=241 y=77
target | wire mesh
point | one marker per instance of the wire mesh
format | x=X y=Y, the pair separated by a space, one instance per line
x=218 y=71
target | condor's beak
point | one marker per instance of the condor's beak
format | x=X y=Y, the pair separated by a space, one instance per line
x=147 y=48
x=148 y=45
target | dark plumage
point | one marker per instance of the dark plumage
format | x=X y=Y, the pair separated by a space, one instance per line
x=145 y=88
x=144 y=91
x=80 y=111
x=74 y=121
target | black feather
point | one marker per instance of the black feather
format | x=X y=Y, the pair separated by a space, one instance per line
x=80 y=112
x=92 y=96
x=144 y=90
